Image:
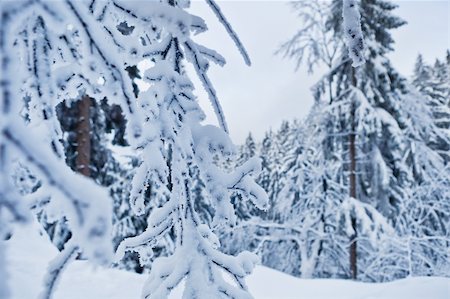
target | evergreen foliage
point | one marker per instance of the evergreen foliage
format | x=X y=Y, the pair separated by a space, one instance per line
x=397 y=161
x=358 y=189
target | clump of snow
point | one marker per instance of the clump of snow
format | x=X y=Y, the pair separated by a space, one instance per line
x=352 y=32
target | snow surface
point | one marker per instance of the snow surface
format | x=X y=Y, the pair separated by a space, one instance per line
x=29 y=253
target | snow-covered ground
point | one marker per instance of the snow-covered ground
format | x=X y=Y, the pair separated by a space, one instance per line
x=30 y=252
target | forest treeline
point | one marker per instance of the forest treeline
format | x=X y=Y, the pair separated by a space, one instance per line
x=358 y=189
x=399 y=218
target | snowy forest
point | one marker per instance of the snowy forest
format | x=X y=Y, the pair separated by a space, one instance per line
x=115 y=183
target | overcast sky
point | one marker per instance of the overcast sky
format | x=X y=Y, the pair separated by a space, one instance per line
x=259 y=97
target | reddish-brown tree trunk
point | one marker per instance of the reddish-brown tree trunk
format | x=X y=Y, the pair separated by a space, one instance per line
x=83 y=136
x=352 y=181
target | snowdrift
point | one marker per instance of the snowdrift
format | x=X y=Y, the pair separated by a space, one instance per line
x=29 y=253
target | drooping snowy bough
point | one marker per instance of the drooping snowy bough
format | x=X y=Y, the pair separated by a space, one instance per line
x=53 y=51
x=174 y=142
x=28 y=63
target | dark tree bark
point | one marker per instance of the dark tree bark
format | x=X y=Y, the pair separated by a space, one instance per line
x=83 y=136
x=352 y=182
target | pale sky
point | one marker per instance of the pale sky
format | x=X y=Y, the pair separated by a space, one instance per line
x=259 y=97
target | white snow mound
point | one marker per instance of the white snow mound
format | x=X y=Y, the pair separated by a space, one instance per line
x=29 y=252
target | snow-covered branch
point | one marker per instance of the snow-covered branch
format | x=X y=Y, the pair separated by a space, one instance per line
x=174 y=145
x=217 y=11
x=352 y=31
x=55 y=269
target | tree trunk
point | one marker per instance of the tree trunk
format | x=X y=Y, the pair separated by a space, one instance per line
x=352 y=181
x=83 y=136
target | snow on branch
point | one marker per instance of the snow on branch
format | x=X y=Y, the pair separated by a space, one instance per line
x=201 y=65
x=216 y=9
x=371 y=223
x=182 y=25
x=352 y=32
x=88 y=219
x=53 y=51
x=175 y=144
x=56 y=267
x=313 y=43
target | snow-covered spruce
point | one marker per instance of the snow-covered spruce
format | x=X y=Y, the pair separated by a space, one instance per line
x=434 y=83
x=401 y=171
x=173 y=143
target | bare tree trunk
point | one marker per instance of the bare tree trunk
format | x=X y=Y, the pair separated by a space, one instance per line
x=83 y=136
x=352 y=179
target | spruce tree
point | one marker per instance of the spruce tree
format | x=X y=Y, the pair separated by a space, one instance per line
x=375 y=133
x=174 y=143
x=433 y=83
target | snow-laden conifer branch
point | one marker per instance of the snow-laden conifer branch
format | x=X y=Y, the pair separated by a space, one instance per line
x=175 y=144
x=40 y=87
x=89 y=220
x=89 y=225
x=216 y=9
x=211 y=55
x=101 y=37
x=352 y=32
x=201 y=66
x=53 y=51
x=182 y=24
x=67 y=50
x=56 y=267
